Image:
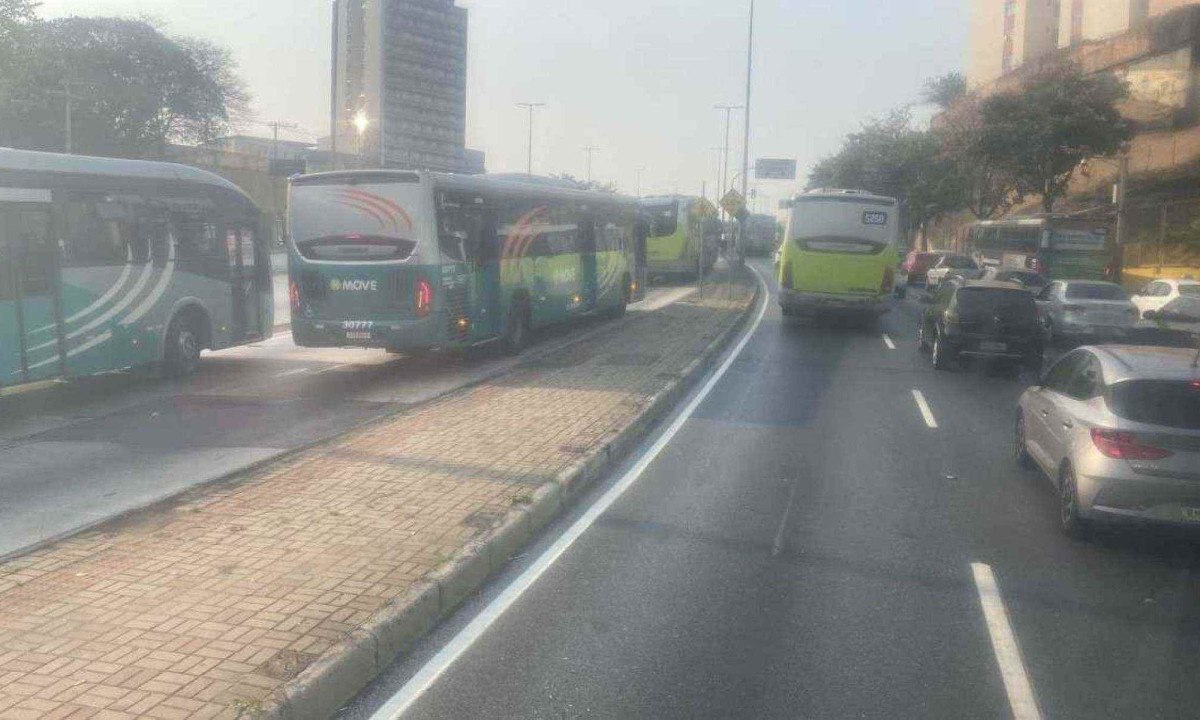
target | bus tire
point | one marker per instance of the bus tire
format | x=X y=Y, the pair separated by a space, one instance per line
x=626 y=292
x=185 y=341
x=516 y=333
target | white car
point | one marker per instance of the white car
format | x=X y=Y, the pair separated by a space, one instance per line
x=1157 y=294
x=1086 y=309
x=950 y=265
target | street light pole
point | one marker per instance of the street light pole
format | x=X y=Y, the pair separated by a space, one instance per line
x=749 y=80
x=639 y=182
x=530 y=106
x=725 y=163
x=589 y=150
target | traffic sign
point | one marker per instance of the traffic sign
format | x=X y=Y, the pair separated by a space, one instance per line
x=775 y=169
x=733 y=202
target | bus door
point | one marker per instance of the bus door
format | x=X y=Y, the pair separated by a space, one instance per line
x=470 y=250
x=588 y=271
x=247 y=276
x=29 y=327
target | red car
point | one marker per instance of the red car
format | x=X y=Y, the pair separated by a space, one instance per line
x=917 y=264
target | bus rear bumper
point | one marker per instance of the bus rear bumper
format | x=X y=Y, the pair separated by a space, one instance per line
x=808 y=302
x=423 y=334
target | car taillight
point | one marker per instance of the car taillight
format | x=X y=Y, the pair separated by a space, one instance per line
x=294 y=296
x=1125 y=446
x=786 y=280
x=1075 y=308
x=889 y=279
x=1036 y=265
x=424 y=297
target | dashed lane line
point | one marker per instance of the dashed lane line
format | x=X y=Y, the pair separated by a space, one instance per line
x=1004 y=644
x=926 y=411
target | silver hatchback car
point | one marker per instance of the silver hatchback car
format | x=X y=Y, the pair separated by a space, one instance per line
x=1117 y=429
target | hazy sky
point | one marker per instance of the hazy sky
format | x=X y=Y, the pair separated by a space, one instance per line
x=638 y=78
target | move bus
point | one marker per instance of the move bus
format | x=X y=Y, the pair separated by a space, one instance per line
x=840 y=252
x=110 y=264
x=761 y=235
x=410 y=261
x=684 y=235
x=1061 y=248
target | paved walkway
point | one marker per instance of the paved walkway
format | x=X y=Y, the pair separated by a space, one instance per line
x=204 y=607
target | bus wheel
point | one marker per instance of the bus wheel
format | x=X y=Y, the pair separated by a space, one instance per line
x=183 y=346
x=516 y=334
x=619 y=310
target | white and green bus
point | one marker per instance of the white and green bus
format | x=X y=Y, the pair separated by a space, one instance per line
x=840 y=252
x=684 y=235
x=411 y=261
x=110 y=264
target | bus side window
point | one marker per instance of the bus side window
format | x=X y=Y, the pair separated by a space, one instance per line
x=97 y=232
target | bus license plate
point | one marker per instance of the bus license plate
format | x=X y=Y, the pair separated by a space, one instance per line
x=358 y=335
x=1191 y=514
x=993 y=346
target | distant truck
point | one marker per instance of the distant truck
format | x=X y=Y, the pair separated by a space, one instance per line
x=762 y=232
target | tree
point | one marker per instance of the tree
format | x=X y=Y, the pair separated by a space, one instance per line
x=945 y=90
x=889 y=157
x=988 y=188
x=1041 y=133
x=134 y=89
x=594 y=185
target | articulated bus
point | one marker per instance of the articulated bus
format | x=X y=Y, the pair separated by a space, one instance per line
x=111 y=264
x=1061 y=248
x=683 y=233
x=840 y=252
x=411 y=261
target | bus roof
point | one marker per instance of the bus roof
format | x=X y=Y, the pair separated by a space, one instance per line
x=506 y=183
x=842 y=195
x=58 y=163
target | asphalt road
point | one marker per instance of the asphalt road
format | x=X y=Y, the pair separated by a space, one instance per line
x=74 y=454
x=811 y=545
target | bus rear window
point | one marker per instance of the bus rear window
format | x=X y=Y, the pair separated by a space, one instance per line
x=664 y=219
x=1170 y=403
x=1086 y=240
x=357 y=248
x=841 y=245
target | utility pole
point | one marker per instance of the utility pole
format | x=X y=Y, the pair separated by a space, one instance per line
x=1122 y=191
x=69 y=99
x=725 y=162
x=589 y=150
x=639 y=181
x=530 y=106
x=749 y=83
x=333 y=89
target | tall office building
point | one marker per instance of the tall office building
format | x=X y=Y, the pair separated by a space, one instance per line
x=400 y=83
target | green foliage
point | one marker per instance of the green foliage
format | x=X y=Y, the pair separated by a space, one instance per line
x=989 y=189
x=595 y=185
x=945 y=90
x=890 y=157
x=133 y=88
x=1041 y=133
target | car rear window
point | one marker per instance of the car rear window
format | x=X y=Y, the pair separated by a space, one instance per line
x=1025 y=278
x=1170 y=403
x=1096 y=291
x=959 y=262
x=977 y=299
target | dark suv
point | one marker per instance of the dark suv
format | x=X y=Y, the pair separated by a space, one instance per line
x=979 y=318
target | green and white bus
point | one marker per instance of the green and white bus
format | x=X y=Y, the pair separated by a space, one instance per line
x=683 y=233
x=1061 y=248
x=110 y=264
x=410 y=261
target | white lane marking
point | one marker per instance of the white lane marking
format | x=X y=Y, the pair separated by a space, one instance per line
x=1004 y=644
x=926 y=412
x=777 y=547
x=429 y=673
x=887 y=340
x=289 y=373
x=334 y=368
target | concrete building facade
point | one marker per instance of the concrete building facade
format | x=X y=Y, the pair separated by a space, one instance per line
x=400 y=96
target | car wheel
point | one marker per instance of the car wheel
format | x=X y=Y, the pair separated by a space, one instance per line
x=516 y=334
x=1071 y=522
x=941 y=355
x=1020 y=448
x=183 y=347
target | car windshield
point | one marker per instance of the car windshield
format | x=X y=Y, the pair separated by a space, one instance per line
x=1096 y=291
x=1170 y=403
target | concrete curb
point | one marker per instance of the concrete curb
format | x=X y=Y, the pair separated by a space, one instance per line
x=344 y=670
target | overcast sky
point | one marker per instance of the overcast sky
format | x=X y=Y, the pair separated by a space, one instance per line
x=638 y=78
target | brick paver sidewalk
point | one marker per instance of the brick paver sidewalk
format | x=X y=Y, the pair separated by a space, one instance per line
x=205 y=606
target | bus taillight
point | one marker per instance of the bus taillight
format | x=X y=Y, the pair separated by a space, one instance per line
x=1036 y=265
x=424 y=297
x=294 y=296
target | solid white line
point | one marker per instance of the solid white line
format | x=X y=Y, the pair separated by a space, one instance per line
x=334 y=368
x=429 y=673
x=1004 y=644
x=887 y=340
x=777 y=547
x=926 y=412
